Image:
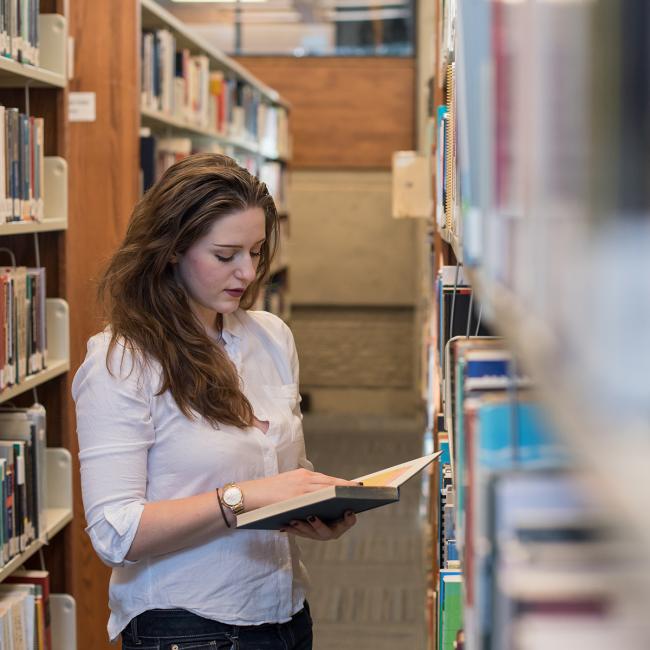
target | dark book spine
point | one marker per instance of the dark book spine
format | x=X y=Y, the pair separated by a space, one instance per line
x=148 y=161
x=34 y=476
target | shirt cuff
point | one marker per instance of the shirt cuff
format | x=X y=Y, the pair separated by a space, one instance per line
x=113 y=534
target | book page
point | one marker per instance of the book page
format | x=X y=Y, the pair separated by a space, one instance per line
x=398 y=474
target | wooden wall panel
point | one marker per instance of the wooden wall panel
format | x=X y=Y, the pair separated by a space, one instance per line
x=346 y=112
x=104 y=166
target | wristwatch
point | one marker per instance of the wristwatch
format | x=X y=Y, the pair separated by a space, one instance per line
x=232 y=497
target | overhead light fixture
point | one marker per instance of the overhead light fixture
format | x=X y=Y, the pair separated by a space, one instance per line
x=221 y=2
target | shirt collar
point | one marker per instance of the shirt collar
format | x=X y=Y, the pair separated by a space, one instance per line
x=231 y=328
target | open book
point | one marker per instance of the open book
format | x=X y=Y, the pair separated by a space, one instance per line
x=330 y=503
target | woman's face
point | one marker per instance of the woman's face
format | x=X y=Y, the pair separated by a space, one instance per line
x=218 y=268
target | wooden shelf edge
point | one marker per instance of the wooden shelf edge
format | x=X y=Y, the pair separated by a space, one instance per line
x=23 y=227
x=56 y=368
x=149 y=115
x=22 y=71
x=57 y=519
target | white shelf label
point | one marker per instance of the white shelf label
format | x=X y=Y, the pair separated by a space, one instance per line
x=81 y=107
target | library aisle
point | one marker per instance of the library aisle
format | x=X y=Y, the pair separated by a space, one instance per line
x=462 y=220
x=368 y=587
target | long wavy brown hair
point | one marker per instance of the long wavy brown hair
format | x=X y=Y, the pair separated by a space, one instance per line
x=148 y=309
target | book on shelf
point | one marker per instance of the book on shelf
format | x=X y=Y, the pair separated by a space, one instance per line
x=22 y=166
x=19 y=38
x=449 y=618
x=22 y=478
x=450 y=151
x=453 y=300
x=157 y=154
x=330 y=504
x=182 y=86
x=529 y=539
x=23 y=616
x=41 y=581
x=23 y=343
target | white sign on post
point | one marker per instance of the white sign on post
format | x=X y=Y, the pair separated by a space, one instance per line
x=82 y=107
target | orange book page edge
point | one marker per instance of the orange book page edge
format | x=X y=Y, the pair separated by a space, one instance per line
x=384 y=478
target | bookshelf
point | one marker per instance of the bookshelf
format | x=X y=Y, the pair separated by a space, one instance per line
x=51 y=73
x=535 y=208
x=40 y=91
x=55 y=215
x=58 y=512
x=245 y=119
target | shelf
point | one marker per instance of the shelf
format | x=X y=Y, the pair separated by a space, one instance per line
x=155 y=17
x=58 y=475
x=158 y=120
x=56 y=519
x=56 y=202
x=54 y=369
x=58 y=350
x=59 y=510
x=63 y=615
x=24 y=227
x=53 y=45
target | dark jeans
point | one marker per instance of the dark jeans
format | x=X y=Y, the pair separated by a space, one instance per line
x=178 y=629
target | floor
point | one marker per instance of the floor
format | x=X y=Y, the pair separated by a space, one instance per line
x=368 y=588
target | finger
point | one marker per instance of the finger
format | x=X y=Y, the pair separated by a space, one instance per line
x=324 y=479
x=290 y=530
x=305 y=528
x=323 y=531
x=343 y=525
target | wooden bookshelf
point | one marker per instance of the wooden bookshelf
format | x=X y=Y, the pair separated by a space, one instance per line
x=153 y=16
x=160 y=124
x=539 y=255
x=158 y=120
x=52 y=71
x=41 y=91
x=58 y=510
x=12 y=72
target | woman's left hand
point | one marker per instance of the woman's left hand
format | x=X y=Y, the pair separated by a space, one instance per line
x=314 y=528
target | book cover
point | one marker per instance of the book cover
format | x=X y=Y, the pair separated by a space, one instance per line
x=329 y=504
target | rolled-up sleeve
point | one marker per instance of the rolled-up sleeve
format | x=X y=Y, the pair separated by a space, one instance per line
x=115 y=431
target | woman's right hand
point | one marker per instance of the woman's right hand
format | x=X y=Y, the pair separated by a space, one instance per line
x=265 y=491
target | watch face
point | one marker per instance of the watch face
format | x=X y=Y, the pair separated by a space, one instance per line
x=232 y=496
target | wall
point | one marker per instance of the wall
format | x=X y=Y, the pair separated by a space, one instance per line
x=345 y=247
x=352 y=265
x=352 y=284
x=347 y=113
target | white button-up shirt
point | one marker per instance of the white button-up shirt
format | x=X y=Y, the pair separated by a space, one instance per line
x=136 y=447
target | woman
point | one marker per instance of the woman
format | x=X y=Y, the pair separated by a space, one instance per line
x=187 y=414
